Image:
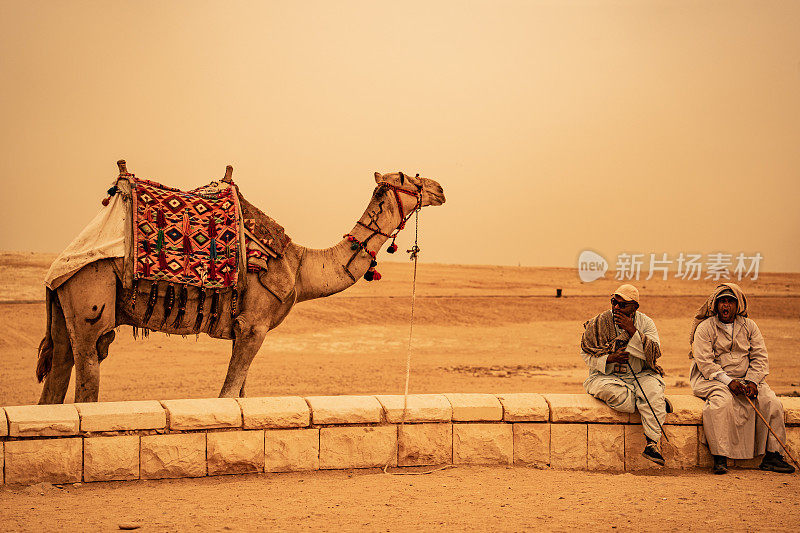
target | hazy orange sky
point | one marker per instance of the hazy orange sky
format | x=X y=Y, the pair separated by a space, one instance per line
x=553 y=126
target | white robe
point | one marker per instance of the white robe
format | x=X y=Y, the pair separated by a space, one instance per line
x=615 y=385
x=731 y=426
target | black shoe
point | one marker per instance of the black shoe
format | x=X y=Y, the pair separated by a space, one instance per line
x=720 y=464
x=651 y=452
x=774 y=462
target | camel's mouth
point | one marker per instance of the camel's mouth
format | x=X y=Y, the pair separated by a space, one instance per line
x=432 y=192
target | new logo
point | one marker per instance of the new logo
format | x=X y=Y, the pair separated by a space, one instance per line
x=591 y=266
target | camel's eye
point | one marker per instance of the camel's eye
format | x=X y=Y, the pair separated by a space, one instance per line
x=380 y=190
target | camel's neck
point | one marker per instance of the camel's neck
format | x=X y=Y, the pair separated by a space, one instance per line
x=331 y=270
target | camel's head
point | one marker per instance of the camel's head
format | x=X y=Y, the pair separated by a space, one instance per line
x=432 y=193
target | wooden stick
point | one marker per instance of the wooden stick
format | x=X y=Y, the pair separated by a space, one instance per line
x=123 y=169
x=770 y=430
x=663 y=434
x=228 y=174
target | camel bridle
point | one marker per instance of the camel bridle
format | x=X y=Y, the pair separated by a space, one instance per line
x=403 y=216
x=361 y=246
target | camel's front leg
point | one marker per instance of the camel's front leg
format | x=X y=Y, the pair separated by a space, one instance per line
x=245 y=346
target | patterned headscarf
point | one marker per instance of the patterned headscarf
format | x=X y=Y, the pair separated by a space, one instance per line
x=600 y=338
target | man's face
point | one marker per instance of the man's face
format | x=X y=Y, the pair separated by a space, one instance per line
x=726 y=308
x=624 y=306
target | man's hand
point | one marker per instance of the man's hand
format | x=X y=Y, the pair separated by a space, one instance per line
x=737 y=387
x=624 y=321
x=751 y=389
x=620 y=356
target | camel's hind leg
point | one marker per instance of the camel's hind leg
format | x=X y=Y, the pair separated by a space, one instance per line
x=88 y=301
x=56 y=382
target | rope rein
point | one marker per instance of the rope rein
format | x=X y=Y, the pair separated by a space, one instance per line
x=414 y=251
x=414 y=255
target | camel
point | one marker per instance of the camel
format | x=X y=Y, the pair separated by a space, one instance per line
x=83 y=312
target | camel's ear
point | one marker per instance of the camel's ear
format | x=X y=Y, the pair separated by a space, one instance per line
x=378 y=177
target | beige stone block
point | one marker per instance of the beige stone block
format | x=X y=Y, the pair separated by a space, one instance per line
x=121 y=416
x=524 y=407
x=48 y=460
x=111 y=458
x=483 y=443
x=532 y=444
x=172 y=456
x=582 y=408
x=704 y=457
x=357 y=447
x=208 y=413
x=42 y=420
x=425 y=444
x=682 y=448
x=344 y=409
x=569 y=446
x=472 y=407
x=235 y=452
x=3 y=423
x=605 y=447
x=419 y=408
x=279 y=412
x=793 y=444
x=291 y=450
x=791 y=410
x=634 y=446
x=686 y=409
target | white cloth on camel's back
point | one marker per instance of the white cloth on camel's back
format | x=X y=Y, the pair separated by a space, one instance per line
x=103 y=238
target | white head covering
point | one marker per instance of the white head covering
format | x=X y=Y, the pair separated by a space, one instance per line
x=708 y=309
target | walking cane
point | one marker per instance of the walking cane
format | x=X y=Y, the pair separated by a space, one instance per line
x=636 y=379
x=770 y=430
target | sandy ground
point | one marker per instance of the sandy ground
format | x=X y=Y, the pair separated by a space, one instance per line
x=477 y=329
x=462 y=498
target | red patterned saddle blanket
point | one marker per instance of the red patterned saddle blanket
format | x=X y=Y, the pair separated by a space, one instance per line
x=189 y=238
x=195 y=237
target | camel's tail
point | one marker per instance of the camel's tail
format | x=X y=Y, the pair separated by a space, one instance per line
x=45 y=362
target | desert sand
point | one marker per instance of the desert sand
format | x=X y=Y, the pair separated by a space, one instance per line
x=476 y=329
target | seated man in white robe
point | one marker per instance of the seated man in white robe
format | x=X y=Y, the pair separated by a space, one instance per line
x=729 y=365
x=620 y=346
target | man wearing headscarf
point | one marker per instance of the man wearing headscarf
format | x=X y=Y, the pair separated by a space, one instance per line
x=729 y=363
x=620 y=346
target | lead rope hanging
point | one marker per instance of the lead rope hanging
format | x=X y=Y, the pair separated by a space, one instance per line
x=414 y=255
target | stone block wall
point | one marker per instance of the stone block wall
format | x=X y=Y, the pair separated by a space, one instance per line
x=206 y=437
